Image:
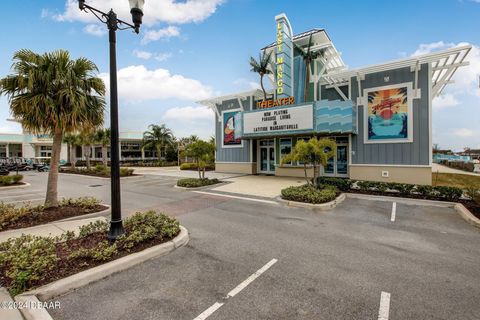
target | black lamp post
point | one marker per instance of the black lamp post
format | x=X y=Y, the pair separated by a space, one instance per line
x=114 y=24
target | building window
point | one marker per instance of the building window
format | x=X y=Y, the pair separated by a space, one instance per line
x=285 y=148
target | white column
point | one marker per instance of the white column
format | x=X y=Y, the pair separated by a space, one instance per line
x=7 y=150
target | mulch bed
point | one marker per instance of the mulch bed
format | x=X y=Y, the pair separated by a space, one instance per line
x=52 y=214
x=67 y=267
x=469 y=204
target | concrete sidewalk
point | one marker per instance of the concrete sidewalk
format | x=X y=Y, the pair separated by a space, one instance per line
x=444 y=169
x=52 y=229
x=177 y=173
x=260 y=186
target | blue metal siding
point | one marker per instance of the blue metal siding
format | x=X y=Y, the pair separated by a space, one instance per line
x=413 y=153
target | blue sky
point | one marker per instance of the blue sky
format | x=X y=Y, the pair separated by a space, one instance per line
x=194 y=49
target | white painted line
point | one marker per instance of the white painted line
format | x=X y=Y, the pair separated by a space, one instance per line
x=384 y=309
x=250 y=279
x=394 y=211
x=19 y=196
x=236 y=197
x=205 y=314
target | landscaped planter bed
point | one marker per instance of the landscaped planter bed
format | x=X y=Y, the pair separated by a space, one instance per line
x=29 y=262
x=196 y=183
x=95 y=172
x=11 y=180
x=439 y=193
x=12 y=217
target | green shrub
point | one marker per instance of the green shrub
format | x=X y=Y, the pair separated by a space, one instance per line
x=193 y=166
x=426 y=191
x=310 y=194
x=103 y=251
x=147 y=226
x=9 y=214
x=27 y=259
x=473 y=193
x=10 y=179
x=93 y=227
x=125 y=172
x=82 y=202
x=195 y=182
x=342 y=184
x=449 y=193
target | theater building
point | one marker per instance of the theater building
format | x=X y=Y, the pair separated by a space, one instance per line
x=380 y=116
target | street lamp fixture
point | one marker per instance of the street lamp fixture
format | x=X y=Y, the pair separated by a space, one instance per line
x=113 y=24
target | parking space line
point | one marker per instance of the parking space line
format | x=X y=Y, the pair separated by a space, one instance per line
x=394 y=211
x=236 y=197
x=250 y=279
x=384 y=309
x=205 y=314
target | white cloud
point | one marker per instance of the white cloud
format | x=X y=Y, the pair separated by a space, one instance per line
x=145 y=55
x=137 y=83
x=164 y=33
x=8 y=127
x=156 y=11
x=466 y=77
x=95 y=29
x=189 y=114
x=425 y=48
x=445 y=101
x=464 y=133
x=163 y=56
x=246 y=84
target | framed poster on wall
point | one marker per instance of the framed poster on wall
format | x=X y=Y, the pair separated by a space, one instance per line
x=388 y=114
x=229 y=126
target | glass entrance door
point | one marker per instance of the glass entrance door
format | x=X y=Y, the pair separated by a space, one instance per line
x=267 y=156
x=338 y=166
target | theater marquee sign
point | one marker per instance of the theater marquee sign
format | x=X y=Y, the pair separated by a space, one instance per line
x=278 y=121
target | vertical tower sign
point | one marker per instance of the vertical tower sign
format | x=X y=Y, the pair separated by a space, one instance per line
x=284 y=57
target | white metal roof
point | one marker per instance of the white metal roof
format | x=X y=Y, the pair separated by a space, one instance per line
x=257 y=93
x=444 y=64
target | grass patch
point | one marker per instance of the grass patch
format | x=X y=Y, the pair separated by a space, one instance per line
x=310 y=194
x=462 y=181
x=12 y=217
x=31 y=261
x=196 y=183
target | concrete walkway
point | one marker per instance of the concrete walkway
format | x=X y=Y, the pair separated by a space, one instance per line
x=444 y=169
x=176 y=172
x=50 y=229
x=260 y=186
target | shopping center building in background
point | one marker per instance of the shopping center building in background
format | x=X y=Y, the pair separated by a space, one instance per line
x=39 y=146
x=380 y=116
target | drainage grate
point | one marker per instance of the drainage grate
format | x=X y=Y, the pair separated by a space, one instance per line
x=95 y=185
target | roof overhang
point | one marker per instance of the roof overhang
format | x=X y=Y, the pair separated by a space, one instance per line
x=257 y=93
x=444 y=64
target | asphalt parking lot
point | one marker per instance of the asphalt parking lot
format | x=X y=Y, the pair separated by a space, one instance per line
x=258 y=260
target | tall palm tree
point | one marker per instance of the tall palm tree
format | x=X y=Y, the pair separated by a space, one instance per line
x=158 y=137
x=72 y=140
x=102 y=136
x=52 y=94
x=261 y=67
x=308 y=57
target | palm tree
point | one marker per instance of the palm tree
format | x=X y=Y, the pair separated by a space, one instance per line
x=72 y=140
x=308 y=57
x=102 y=136
x=158 y=137
x=87 y=139
x=52 y=94
x=261 y=67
